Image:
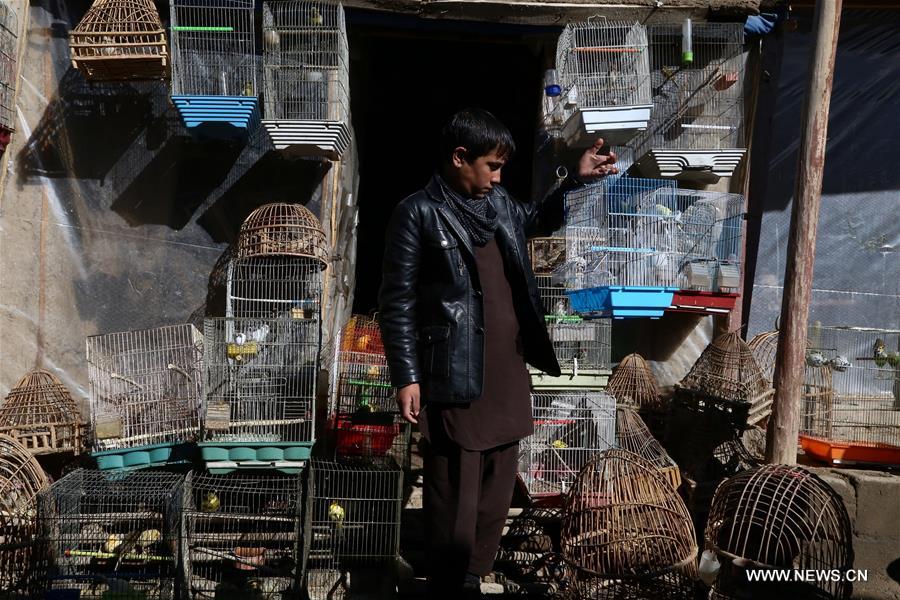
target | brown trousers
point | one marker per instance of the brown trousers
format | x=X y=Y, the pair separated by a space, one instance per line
x=467 y=494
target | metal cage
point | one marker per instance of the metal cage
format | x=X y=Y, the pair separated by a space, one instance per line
x=274 y=287
x=355 y=507
x=626 y=533
x=696 y=130
x=9 y=55
x=21 y=480
x=242 y=536
x=41 y=414
x=604 y=70
x=779 y=517
x=306 y=76
x=145 y=387
x=709 y=240
x=580 y=345
x=120 y=40
x=112 y=535
x=570 y=427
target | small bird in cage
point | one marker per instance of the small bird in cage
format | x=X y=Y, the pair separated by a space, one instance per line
x=814 y=358
x=210 y=502
x=879 y=352
x=839 y=363
x=271 y=38
x=337 y=514
x=315 y=17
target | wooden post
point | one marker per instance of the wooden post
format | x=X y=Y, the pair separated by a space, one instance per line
x=790 y=358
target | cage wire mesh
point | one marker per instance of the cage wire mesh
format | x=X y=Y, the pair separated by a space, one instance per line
x=213 y=48
x=145 y=386
x=570 y=427
x=709 y=236
x=260 y=379
x=40 y=413
x=580 y=345
x=120 y=40
x=21 y=480
x=633 y=435
x=363 y=412
x=626 y=533
x=621 y=231
x=779 y=517
x=9 y=54
x=282 y=229
x=355 y=506
x=242 y=536
x=112 y=536
x=273 y=287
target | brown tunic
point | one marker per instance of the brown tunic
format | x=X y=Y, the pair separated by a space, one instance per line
x=503 y=412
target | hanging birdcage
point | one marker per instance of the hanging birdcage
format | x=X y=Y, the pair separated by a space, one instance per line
x=355 y=506
x=570 y=427
x=40 y=413
x=145 y=395
x=242 y=536
x=621 y=243
x=259 y=392
x=120 y=40
x=306 y=77
x=282 y=229
x=696 y=130
x=633 y=435
x=21 y=480
x=9 y=56
x=214 y=67
x=111 y=535
x=626 y=533
x=363 y=414
x=779 y=517
x=604 y=71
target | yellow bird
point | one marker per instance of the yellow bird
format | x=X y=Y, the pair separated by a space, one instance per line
x=336 y=513
x=149 y=537
x=113 y=542
x=559 y=444
x=362 y=342
x=210 y=502
x=315 y=17
x=374 y=372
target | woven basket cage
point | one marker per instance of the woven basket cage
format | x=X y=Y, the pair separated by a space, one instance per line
x=632 y=384
x=779 y=517
x=728 y=370
x=120 y=40
x=633 y=435
x=42 y=415
x=21 y=479
x=282 y=229
x=623 y=521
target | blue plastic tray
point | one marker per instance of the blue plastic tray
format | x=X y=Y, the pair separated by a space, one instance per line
x=622 y=302
x=218 y=117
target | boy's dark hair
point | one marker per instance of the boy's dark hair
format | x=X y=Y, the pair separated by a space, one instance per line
x=479 y=132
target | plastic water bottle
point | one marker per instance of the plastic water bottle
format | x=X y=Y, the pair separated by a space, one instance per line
x=709 y=567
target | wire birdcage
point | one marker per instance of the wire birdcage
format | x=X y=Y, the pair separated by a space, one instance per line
x=271 y=287
x=355 y=506
x=604 y=70
x=21 y=480
x=633 y=435
x=696 y=129
x=9 y=55
x=40 y=413
x=626 y=533
x=259 y=391
x=242 y=536
x=306 y=76
x=282 y=229
x=779 y=517
x=120 y=40
x=145 y=390
x=580 y=345
x=570 y=427
x=112 y=535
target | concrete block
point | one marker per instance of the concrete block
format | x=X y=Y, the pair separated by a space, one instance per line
x=842 y=485
x=877 y=503
x=881 y=560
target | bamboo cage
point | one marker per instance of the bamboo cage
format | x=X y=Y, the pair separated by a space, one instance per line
x=633 y=435
x=9 y=54
x=282 y=229
x=632 y=384
x=41 y=414
x=21 y=480
x=120 y=40
x=626 y=533
x=779 y=517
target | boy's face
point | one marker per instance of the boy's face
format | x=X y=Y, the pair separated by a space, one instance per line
x=475 y=179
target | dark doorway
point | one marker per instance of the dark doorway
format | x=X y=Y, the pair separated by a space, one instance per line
x=407 y=76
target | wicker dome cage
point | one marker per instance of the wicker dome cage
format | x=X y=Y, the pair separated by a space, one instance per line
x=632 y=434
x=120 y=40
x=41 y=414
x=632 y=384
x=779 y=517
x=282 y=229
x=21 y=479
x=625 y=529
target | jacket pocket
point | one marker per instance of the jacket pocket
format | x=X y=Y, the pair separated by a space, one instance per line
x=434 y=343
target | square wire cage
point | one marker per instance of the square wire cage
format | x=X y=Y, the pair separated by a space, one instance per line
x=355 y=507
x=579 y=344
x=111 y=536
x=621 y=231
x=273 y=287
x=213 y=48
x=145 y=386
x=9 y=54
x=863 y=407
x=709 y=232
x=570 y=427
x=260 y=379
x=242 y=536
x=305 y=61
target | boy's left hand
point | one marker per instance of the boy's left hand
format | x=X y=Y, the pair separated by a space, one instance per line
x=592 y=165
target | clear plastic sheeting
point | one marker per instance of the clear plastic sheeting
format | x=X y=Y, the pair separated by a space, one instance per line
x=857 y=269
